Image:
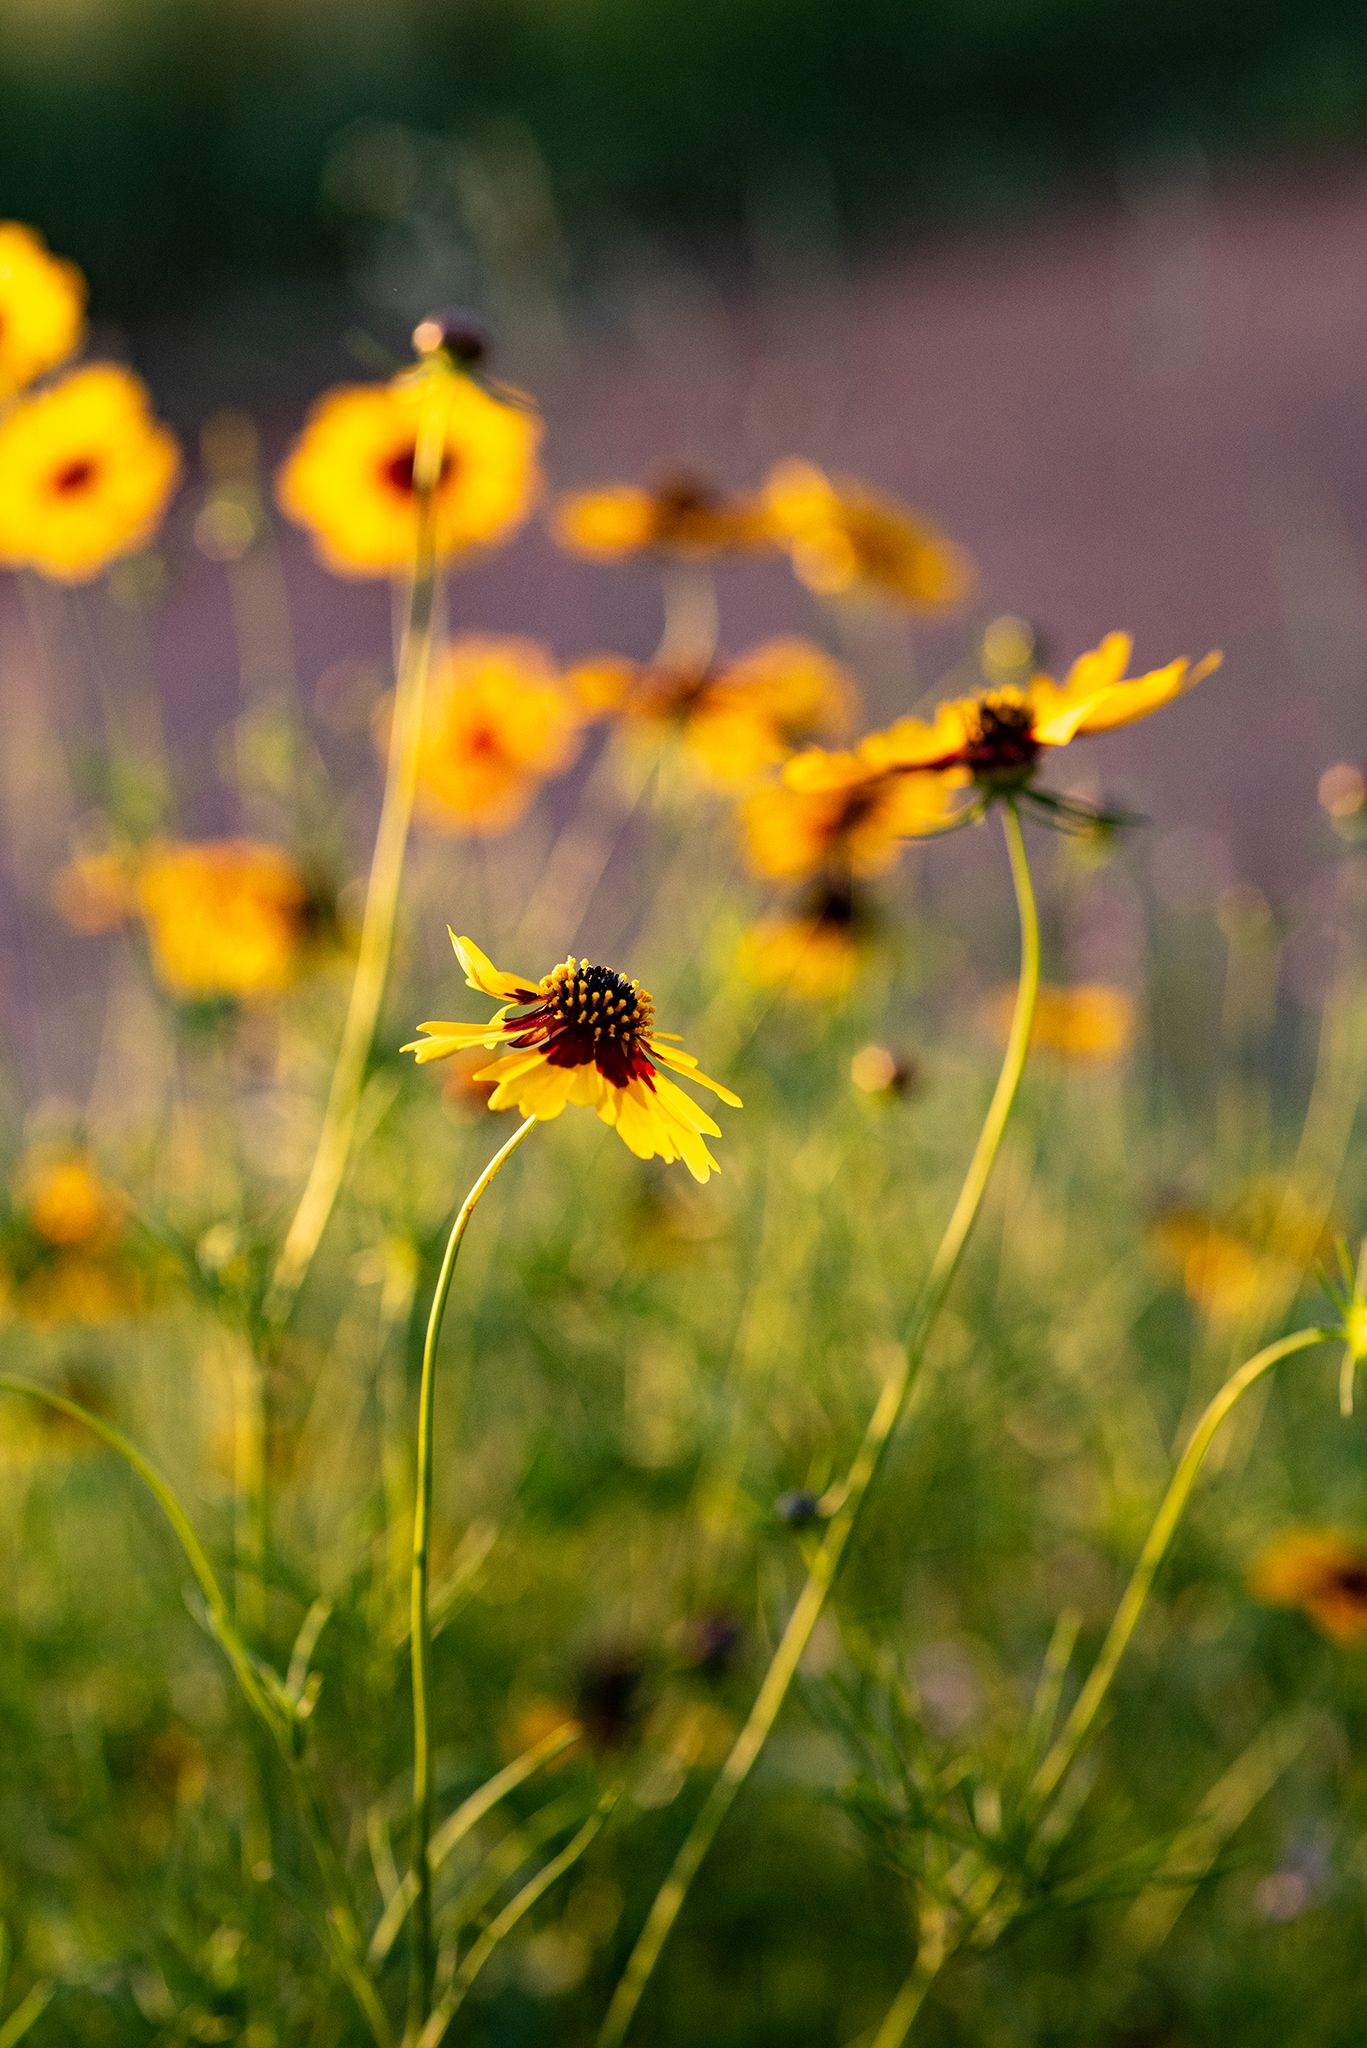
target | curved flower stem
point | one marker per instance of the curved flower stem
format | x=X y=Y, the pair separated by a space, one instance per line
x=420 y=1980
x=259 y=1689
x=380 y=916
x=849 y=1502
x=1064 y=1752
x=1074 y=1732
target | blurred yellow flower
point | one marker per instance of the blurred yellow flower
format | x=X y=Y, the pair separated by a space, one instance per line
x=1090 y=1022
x=67 y=1203
x=86 y=473
x=834 y=811
x=844 y=537
x=95 y=891
x=995 y=740
x=42 y=308
x=678 y=515
x=737 y=719
x=813 y=951
x=497 y=724
x=1246 y=1253
x=586 y=1035
x=349 y=477
x=63 y=1251
x=224 y=917
x=1323 y=1573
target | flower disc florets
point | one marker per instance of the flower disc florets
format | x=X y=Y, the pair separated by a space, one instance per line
x=1001 y=747
x=597 y=1002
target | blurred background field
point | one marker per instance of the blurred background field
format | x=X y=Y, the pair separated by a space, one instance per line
x=1089 y=285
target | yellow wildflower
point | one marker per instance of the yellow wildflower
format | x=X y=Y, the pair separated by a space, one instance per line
x=349 y=477
x=813 y=951
x=585 y=1035
x=844 y=537
x=1245 y=1253
x=224 y=917
x=1321 y=1572
x=678 y=515
x=836 y=811
x=1090 y=1022
x=86 y=473
x=497 y=724
x=42 y=308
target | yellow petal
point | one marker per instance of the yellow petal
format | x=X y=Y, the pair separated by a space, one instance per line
x=1122 y=703
x=444 y=1039
x=481 y=973
x=684 y=1063
x=543 y=1092
x=682 y=1109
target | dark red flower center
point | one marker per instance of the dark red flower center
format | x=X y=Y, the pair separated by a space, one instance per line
x=585 y=1015
x=75 y=476
x=1350 y=1582
x=397 y=470
x=1001 y=744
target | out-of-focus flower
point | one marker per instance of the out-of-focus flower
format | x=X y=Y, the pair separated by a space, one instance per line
x=736 y=720
x=679 y=514
x=1322 y=1573
x=68 y=1203
x=349 y=478
x=995 y=740
x=586 y=1035
x=224 y=917
x=86 y=472
x=813 y=951
x=1247 y=1252
x=64 y=1254
x=878 y=1070
x=1343 y=798
x=844 y=537
x=42 y=307
x=835 y=811
x=497 y=724
x=95 y=891
x=1090 y=1022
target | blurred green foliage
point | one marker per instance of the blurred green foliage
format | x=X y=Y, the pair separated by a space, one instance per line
x=171 y=143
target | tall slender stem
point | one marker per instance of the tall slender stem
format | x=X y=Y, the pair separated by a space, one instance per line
x=849 y=1503
x=420 y=1980
x=380 y=916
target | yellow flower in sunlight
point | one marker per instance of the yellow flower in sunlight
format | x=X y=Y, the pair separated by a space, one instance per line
x=497 y=724
x=42 y=307
x=844 y=537
x=585 y=1035
x=86 y=473
x=813 y=951
x=1244 y=1255
x=67 y=1203
x=349 y=477
x=678 y=515
x=736 y=719
x=995 y=740
x=1323 y=1573
x=224 y=917
x=1091 y=1022
x=835 y=811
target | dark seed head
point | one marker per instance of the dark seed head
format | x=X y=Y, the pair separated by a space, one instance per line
x=798 y=1510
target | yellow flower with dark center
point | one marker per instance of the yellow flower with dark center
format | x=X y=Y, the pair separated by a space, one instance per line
x=42 y=308
x=1244 y=1254
x=583 y=1034
x=845 y=538
x=1321 y=1572
x=678 y=515
x=349 y=478
x=996 y=740
x=497 y=724
x=86 y=473
x=836 y=811
x=813 y=951
x=736 y=719
x=224 y=917
x=1091 y=1022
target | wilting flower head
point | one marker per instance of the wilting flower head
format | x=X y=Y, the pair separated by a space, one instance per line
x=1320 y=1572
x=349 y=478
x=498 y=723
x=86 y=473
x=677 y=515
x=736 y=719
x=838 y=811
x=814 y=950
x=844 y=537
x=42 y=307
x=586 y=1035
x=996 y=740
x=225 y=917
x=1091 y=1022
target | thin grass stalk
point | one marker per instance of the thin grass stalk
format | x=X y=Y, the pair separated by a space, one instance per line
x=421 y=1973
x=868 y=1460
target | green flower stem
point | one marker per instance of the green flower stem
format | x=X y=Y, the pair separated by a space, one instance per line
x=420 y=1982
x=849 y=1502
x=1064 y=1752
x=1076 y=1728
x=259 y=1689
x=380 y=916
